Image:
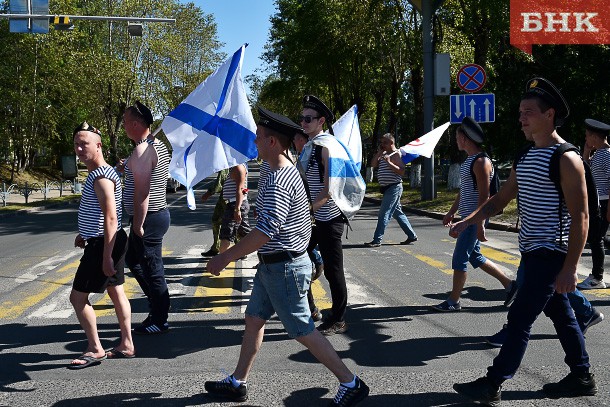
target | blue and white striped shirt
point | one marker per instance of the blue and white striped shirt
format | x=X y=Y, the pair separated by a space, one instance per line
x=600 y=168
x=157 y=199
x=539 y=204
x=469 y=196
x=90 y=216
x=385 y=174
x=329 y=210
x=283 y=211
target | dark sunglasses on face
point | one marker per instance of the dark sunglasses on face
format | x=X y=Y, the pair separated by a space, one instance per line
x=308 y=119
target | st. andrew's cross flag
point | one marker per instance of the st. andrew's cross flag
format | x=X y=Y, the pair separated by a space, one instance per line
x=424 y=145
x=347 y=131
x=213 y=128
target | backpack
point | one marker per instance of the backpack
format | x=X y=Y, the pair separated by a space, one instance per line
x=494 y=184
x=593 y=197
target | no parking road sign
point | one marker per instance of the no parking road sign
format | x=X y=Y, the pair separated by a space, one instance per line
x=471 y=78
x=481 y=107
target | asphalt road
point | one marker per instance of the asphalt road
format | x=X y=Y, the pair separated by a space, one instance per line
x=408 y=354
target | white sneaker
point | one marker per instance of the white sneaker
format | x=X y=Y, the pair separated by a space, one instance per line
x=591 y=283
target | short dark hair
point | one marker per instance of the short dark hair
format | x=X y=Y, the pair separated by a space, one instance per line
x=283 y=139
x=137 y=115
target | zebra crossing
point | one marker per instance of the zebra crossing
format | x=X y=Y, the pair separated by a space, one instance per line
x=42 y=291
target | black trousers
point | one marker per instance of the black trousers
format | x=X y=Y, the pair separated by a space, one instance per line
x=328 y=236
x=597 y=231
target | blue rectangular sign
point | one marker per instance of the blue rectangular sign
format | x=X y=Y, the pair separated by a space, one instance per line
x=481 y=107
x=29 y=25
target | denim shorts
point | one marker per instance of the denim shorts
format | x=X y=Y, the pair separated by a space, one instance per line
x=282 y=288
x=467 y=250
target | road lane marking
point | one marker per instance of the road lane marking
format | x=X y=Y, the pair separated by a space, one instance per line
x=430 y=261
x=213 y=290
x=45 y=266
x=14 y=309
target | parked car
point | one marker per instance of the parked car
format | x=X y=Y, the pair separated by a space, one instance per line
x=172 y=184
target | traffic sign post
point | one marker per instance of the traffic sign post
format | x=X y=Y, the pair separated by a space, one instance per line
x=471 y=78
x=481 y=107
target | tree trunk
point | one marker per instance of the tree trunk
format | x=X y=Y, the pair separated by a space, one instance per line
x=415 y=175
x=453 y=177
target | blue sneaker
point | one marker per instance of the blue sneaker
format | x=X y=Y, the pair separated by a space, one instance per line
x=446 y=307
x=497 y=340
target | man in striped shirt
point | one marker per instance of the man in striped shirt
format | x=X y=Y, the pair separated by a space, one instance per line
x=597 y=154
x=104 y=241
x=472 y=194
x=389 y=175
x=330 y=221
x=551 y=240
x=281 y=236
x=145 y=201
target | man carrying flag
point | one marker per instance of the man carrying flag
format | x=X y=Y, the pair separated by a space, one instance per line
x=336 y=190
x=389 y=175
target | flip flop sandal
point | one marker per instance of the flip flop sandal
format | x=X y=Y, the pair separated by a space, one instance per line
x=118 y=354
x=89 y=361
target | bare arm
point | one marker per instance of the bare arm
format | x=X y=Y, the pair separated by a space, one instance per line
x=251 y=242
x=375 y=159
x=493 y=205
x=238 y=174
x=482 y=172
x=574 y=189
x=142 y=161
x=396 y=164
x=104 y=190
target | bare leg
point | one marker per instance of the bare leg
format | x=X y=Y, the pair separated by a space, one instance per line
x=322 y=349
x=86 y=317
x=490 y=268
x=459 y=279
x=250 y=345
x=122 y=308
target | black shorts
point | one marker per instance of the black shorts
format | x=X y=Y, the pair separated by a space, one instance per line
x=90 y=277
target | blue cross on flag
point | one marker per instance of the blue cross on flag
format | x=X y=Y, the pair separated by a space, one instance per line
x=213 y=128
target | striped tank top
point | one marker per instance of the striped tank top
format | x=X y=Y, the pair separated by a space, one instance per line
x=329 y=210
x=385 y=175
x=469 y=196
x=157 y=199
x=540 y=208
x=90 y=216
x=600 y=168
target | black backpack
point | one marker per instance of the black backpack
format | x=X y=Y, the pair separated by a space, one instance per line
x=593 y=197
x=494 y=185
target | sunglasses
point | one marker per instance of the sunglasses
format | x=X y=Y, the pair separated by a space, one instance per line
x=308 y=119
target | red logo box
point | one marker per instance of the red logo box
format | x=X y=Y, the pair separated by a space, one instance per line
x=558 y=22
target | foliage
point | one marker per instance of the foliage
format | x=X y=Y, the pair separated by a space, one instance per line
x=51 y=82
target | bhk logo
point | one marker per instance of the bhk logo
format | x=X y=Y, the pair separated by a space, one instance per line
x=558 y=22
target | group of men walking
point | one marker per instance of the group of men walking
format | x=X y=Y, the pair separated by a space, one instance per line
x=296 y=213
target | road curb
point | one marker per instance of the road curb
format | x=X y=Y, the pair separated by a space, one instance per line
x=26 y=211
x=494 y=225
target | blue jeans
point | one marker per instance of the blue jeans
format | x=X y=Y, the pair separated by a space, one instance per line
x=467 y=250
x=536 y=295
x=580 y=304
x=282 y=288
x=146 y=263
x=390 y=206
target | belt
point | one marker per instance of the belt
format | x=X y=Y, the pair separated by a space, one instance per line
x=278 y=257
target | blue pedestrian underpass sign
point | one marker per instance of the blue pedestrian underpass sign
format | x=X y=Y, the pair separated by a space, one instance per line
x=480 y=106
